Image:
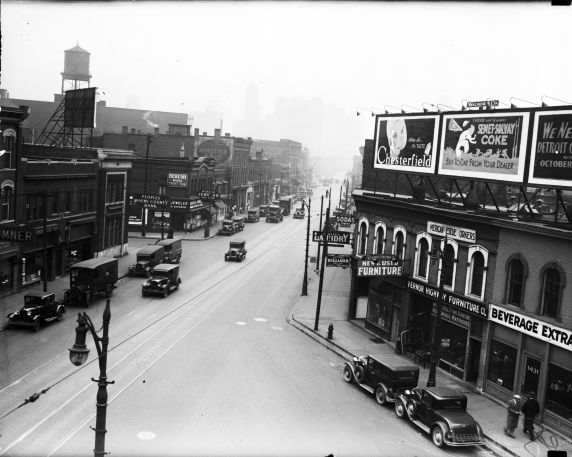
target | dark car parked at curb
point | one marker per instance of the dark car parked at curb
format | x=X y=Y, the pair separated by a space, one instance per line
x=228 y=227
x=147 y=257
x=91 y=277
x=441 y=412
x=253 y=215
x=239 y=222
x=382 y=376
x=173 y=249
x=236 y=251
x=164 y=280
x=39 y=307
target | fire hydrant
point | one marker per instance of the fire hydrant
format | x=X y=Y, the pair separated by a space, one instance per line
x=330 y=331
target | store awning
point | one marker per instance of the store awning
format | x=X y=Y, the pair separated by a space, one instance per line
x=220 y=205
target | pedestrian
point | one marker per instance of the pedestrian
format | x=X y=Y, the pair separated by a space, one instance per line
x=530 y=409
x=513 y=413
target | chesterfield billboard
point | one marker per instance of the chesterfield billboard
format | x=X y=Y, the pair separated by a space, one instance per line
x=551 y=149
x=488 y=145
x=406 y=143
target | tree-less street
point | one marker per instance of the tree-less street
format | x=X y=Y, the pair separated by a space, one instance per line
x=214 y=369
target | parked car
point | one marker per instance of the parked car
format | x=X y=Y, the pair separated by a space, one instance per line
x=441 y=412
x=173 y=249
x=263 y=210
x=275 y=214
x=253 y=215
x=164 y=280
x=91 y=277
x=39 y=307
x=382 y=376
x=147 y=257
x=228 y=227
x=236 y=251
x=299 y=213
x=239 y=222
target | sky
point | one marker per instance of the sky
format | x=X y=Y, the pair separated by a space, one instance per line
x=309 y=67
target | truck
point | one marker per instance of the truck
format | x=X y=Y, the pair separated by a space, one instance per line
x=286 y=203
x=91 y=277
x=274 y=214
x=173 y=249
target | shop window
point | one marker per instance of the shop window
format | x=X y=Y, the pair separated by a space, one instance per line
x=502 y=364
x=379 y=241
x=422 y=255
x=551 y=289
x=515 y=286
x=449 y=265
x=476 y=272
x=559 y=391
x=362 y=237
x=453 y=346
x=399 y=242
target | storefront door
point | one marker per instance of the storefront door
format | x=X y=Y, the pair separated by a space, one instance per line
x=531 y=375
x=474 y=359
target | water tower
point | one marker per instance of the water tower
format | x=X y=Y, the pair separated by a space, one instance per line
x=76 y=69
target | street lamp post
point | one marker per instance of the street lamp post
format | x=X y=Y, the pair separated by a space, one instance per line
x=321 y=212
x=78 y=355
x=305 y=282
x=324 y=255
x=435 y=340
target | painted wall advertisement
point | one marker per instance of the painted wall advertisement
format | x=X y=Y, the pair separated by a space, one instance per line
x=406 y=143
x=533 y=327
x=487 y=145
x=551 y=151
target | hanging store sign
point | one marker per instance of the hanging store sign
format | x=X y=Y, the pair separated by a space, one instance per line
x=177 y=179
x=483 y=104
x=449 y=298
x=449 y=231
x=185 y=204
x=406 y=143
x=551 y=150
x=484 y=146
x=338 y=260
x=151 y=201
x=380 y=266
x=332 y=237
x=532 y=327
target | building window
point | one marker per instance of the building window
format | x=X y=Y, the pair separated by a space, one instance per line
x=422 y=255
x=68 y=200
x=399 y=242
x=476 y=272
x=449 y=266
x=515 y=282
x=502 y=364
x=6 y=201
x=55 y=203
x=362 y=237
x=559 y=391
x=34 y=205
x=379 y=242
x=551 y=286
x=85 y=203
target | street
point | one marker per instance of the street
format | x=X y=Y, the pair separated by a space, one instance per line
x=213 y=369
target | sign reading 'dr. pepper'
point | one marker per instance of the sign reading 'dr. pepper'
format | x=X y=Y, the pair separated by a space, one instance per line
x=533 y=327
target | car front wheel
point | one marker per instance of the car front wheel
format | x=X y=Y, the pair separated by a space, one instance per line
x=438 y=436
x=165 y=293
x=36 y=325
x=399 y=409
x=348 y=375
x=381 y=395
x=360 y=374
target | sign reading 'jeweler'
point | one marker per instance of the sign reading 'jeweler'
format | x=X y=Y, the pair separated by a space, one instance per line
x=332 y=237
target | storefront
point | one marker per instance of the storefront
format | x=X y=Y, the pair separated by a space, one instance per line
x=527 y=355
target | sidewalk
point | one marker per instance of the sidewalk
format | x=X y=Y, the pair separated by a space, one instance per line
x=350 y=338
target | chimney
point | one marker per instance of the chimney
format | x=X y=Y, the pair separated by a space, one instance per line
x=196 y=132
x=216 y=133
x=227 y=135
x=124 y=129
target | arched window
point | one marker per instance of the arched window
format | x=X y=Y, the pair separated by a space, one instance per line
x=379 y=240
x=551 y=288
x=399 y=242
x=6 y=203
x=448 y=266
x=476 y=272
x=515 y=286
x=422 y=255
x=361 y=248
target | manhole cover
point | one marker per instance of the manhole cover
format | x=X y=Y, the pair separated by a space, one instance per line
x=377 y=340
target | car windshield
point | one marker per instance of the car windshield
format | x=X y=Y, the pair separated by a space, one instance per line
x=226 y=223
x=160 y=274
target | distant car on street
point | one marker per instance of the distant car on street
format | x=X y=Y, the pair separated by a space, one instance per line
x=253 y=215
x=299 y=213
x=383 y=376
x=164 y=280
x=228 y=227
x=441 y=412
x=39 y=307
x=236 y=251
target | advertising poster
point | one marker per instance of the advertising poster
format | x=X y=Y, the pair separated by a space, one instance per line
x=406 y=143
x=551 y=151
x=487 y=146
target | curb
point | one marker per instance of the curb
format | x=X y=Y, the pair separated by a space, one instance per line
x=328 y=344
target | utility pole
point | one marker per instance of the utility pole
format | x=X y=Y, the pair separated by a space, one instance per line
x=325 y=254
x=305 y=282
x=143 y=212
x=45 y=244
x=321 y=212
